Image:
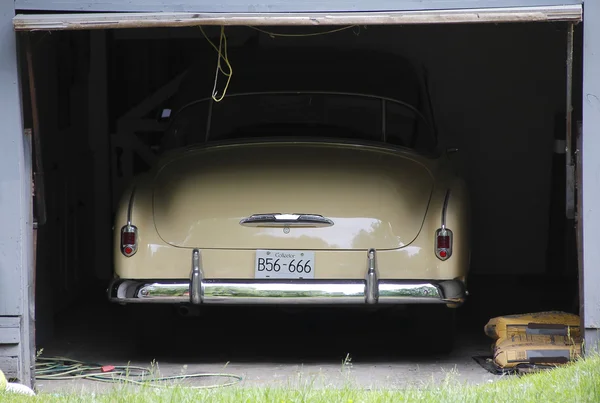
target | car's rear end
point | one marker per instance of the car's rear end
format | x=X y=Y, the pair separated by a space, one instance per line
x=293 y=222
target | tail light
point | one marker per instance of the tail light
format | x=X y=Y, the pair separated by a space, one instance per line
x=443 y=243
x=128 y=240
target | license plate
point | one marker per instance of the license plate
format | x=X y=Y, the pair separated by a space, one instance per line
x=284 y=264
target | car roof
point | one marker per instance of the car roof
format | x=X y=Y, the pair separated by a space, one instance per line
x=287 y=69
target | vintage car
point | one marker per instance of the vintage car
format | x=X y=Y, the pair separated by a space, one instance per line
x=316 y=180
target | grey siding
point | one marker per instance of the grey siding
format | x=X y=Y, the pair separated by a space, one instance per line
x=16 y=246
x=591 y=173
x=273 y=6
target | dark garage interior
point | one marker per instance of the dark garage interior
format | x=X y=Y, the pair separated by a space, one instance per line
x=499 y=95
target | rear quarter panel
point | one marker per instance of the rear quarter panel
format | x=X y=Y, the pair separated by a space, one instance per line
x=457 y=220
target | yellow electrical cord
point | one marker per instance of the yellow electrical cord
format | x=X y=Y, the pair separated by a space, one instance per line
x=274 y=34
x=221 y=55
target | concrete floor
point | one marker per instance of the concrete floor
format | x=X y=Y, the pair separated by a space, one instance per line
x=267 y=347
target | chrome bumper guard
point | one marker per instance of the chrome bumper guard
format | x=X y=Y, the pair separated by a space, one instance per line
x=371 y=290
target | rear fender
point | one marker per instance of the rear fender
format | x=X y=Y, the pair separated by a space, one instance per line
x=135 y=206
x=457 y=220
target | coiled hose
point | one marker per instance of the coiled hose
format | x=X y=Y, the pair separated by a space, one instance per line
x=60 y=368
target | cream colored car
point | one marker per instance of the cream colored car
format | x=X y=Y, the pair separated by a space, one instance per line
x=299 y=187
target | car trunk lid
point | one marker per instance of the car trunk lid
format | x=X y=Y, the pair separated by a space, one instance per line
x=291 y=196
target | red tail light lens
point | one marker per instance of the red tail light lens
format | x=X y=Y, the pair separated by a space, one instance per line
x=443 y=243
x=128 y=240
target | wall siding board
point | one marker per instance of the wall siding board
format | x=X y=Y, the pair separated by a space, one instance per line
x=16 y=243
x=273 y=6
x=590 y=172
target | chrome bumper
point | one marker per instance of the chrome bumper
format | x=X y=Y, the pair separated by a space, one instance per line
x=371 y=290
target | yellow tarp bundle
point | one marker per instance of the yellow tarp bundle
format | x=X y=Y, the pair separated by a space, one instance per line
x=553 y=322
x=537 y=350
x=545 y=338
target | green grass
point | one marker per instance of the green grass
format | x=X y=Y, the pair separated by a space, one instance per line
x=577 y=382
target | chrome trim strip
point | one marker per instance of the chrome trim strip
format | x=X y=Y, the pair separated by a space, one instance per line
x=282 y=219
x=372 y=286
x=384 y=121
x=284 y=292
x=130 y=207
x=445 y=208
x=391 y=292
x=262 y=292
x=163 y=292
x=139 y=291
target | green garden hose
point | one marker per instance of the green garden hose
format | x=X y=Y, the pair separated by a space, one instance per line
x=59 y=368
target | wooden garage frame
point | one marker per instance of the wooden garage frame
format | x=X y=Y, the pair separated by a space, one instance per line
x=17 y=346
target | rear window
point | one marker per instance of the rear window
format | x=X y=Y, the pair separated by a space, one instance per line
x=342 y=116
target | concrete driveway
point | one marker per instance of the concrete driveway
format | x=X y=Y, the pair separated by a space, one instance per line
x=268 y=347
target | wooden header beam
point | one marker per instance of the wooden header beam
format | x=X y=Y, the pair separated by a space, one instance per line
x=88 y=21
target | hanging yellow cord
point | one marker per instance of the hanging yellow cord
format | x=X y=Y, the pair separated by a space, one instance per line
x=221 y=55
x=274 y=34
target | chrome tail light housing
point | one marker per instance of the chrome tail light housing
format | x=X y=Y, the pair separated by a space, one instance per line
x=129 y=240
x=443 y=243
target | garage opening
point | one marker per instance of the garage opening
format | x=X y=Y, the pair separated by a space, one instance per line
x=104 y=102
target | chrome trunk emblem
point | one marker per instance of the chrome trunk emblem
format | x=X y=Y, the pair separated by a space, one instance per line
x=286 y=220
